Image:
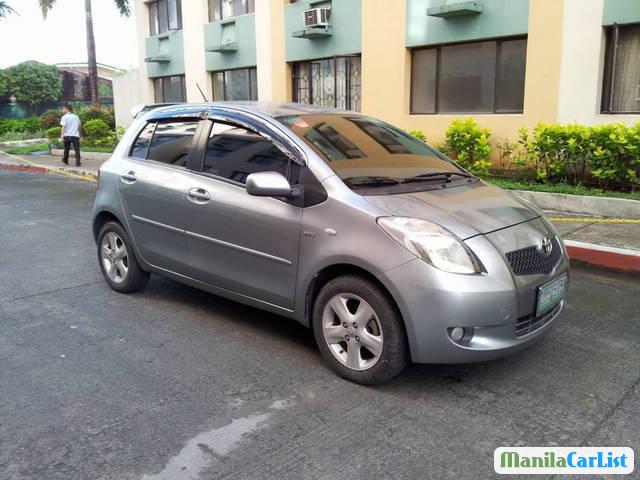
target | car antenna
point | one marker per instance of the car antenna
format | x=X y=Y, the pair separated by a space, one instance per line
x=201 y=92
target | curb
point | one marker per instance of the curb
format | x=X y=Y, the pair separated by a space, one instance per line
x=604 y=256
x=582 y=204
x=23 y=168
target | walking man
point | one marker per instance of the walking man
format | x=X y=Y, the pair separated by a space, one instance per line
x=70 y=134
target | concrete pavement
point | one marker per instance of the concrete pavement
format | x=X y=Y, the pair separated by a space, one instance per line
x=176 y=383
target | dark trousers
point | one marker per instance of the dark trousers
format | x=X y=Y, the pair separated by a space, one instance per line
x=68 y=141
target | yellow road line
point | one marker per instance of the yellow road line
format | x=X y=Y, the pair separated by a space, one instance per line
x=593 y=220
x=51 y=169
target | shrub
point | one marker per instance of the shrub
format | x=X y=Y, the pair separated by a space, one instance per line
x=26 y=125
x=469 y=145
x=570 y=153
x=419 y=134
x=96 y=132
x=92 y=113
x=50 y=119
x=53 y=133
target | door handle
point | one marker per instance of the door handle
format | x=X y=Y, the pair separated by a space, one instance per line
x=129 y=177
x=198 y=195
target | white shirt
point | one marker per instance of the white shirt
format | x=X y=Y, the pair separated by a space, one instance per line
x=71 y=123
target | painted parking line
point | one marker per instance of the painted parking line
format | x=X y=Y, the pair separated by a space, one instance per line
x=592 y=220
x=50 y=169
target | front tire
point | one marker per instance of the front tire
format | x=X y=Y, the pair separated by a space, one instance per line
x=359 y=331
x=118 y=261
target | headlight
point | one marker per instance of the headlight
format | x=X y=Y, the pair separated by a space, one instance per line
x=432 y=243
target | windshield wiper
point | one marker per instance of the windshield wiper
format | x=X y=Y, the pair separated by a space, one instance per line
x=371 y=181
x=426 y=177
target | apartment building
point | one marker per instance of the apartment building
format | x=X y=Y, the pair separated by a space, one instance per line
x=416 y=63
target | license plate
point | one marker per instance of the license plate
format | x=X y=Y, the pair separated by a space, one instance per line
x=550 y=294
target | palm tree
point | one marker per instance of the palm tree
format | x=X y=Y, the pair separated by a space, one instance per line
x=5 y=9
x=123 y=6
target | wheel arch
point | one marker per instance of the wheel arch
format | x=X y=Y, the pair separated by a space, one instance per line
x=101 y=218
x=328 y=273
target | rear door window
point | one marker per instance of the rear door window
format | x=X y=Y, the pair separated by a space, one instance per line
x=172 y=141
x=234 y=153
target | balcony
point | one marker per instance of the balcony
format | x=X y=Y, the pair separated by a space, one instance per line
x=230 y=43
x=165 y=54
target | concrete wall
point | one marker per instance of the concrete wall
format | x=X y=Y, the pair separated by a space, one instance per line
x=583 y=53
x=346 y=23
x=386 y=84
x=239 y=30
x=500 y=18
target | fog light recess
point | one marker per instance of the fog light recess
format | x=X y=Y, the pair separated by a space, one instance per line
x=461 y=335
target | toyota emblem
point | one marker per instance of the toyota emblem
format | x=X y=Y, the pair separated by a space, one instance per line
x=546 y=246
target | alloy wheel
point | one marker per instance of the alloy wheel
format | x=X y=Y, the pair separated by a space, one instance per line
x=115 y=258
x=352 y=331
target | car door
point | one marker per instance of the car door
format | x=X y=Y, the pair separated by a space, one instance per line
x=153 y=185
x=242 y=243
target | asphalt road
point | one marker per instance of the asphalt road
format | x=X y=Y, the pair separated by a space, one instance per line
x=176 y=383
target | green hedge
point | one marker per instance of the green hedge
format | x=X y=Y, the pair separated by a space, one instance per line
x=608 y=154
x=26 y=125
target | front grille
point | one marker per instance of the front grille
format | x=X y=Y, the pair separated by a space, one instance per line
x=530 y=261
x=531 y=323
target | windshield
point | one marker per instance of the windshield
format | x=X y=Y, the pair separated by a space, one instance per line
x=365 y=152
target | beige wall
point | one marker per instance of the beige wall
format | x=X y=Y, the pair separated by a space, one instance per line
x=134 y=87
x=583 y=65
x=272 y=68
x=386 y=72
x=195 y=14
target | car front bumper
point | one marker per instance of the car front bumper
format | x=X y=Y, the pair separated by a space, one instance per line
x=433 y=302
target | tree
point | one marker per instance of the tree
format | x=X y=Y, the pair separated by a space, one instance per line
x=33 y=83
x=4 y=83
x=5 y=9
x=124 y=6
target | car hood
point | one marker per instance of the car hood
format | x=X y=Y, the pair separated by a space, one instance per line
x=467 y=210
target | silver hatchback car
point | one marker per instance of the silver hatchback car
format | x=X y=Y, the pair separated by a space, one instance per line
x=385 y=247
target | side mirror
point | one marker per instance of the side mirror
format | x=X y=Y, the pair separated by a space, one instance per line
x=268 y=184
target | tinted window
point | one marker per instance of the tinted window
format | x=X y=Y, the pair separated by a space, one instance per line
x=482 y=77
x=234 y=153
x=171 y=142
x=164 y=15
x=511 y=69
x=221 y=9
x=357 y=147
x=238 y=84
x=467 y=77
x=169 y=89
x=141 y=145
x=621 y=89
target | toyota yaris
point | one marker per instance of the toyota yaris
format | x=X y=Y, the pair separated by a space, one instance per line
x=387 y=249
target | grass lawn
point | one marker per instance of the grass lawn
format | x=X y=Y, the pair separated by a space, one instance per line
x=560 y=188
x=28 y=149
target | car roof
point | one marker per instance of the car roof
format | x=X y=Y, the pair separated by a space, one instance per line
x=268 y=109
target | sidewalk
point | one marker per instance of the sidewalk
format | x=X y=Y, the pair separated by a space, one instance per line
x=601 y=241
x=43 y=163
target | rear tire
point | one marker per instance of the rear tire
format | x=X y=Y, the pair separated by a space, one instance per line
x=359 y=331
x=117 y=260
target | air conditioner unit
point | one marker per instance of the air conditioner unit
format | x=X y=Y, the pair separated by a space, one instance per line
x=317 y=17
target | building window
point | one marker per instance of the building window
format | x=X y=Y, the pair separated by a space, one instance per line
x=221 y=9
x=238 y=84
x=169 y=89
x=330 y=82
x=621 y=86
x=479 y=77
x=164 y=15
